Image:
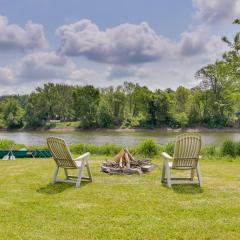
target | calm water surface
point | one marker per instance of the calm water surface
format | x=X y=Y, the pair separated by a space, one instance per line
x=121 y=138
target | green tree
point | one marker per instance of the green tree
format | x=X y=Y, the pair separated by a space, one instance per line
x=181 y=96
x=218 y=88
x=86 y=101
x=140 y=101
x=232 y=58
x=58 y=100
x=128 y=89
x=114 y=99
x=104 y=115
x=158 y=108
x=162 y=103
x=12 y=113
x=196 y=105
x=36 y=113
x=180 y=119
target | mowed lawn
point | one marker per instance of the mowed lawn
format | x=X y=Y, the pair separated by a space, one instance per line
x=118 y=207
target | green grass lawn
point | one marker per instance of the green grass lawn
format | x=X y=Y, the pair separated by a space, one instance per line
x=118 y=207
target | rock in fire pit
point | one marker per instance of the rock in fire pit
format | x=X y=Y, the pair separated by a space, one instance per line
x=124 y=162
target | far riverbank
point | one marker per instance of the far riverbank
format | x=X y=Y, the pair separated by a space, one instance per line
x=124 y=130
x=129 y=130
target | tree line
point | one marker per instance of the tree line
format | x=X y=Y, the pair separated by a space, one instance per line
x=214 y=102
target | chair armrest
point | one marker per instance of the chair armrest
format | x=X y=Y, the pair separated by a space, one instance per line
x=82 y=156
x=166 y=156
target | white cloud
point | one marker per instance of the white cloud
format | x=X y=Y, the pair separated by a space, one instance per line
x=129 y=44
x=128 y=52
x=14 y=37
x=123 y=44
x=6 y=75
x=201 y=42
x=43 y=66
x=125 y=72
x=125 y=54
x=212 y=11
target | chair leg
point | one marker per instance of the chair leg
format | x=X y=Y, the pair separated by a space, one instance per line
x=169 y=184
x=66 y=173
x=80 y=174
x=163 y=173
x=89 y=171
x=54 y=180
x=192 y=174
x=199 y=175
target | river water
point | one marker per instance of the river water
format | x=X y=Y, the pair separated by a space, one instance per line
x=122 y=138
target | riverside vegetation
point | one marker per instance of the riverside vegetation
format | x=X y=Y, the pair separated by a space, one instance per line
x=147 y=148
x=214 y=102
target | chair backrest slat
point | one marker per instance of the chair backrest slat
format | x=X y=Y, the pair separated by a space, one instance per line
x=60 y=152
x=187 y=150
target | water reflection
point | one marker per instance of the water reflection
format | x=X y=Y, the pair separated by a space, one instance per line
x=122 y=138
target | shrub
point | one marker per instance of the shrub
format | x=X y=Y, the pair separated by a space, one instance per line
x=169 y=147
x=109 y=149
x=34 y=147
x=50 y=125
x=6 y=144
x=133 y=122
x=83 y=147
x=12 y=113
x=229 y=148
x=147 y=148
x=180 y=120
x=106 y=149
x=209 y=150
x=2 y=124
x=237 y=148
x=105 y=118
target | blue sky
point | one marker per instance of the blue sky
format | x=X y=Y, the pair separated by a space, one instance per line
x=155 y=43
x=106 y=13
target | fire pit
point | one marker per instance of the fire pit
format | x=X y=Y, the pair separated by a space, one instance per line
x=124 y=162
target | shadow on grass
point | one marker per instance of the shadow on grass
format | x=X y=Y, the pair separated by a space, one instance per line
x=187 y=189
x=58 y=187
x=54 y=188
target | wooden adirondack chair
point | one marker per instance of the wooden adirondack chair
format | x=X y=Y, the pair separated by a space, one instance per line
x=186 y=157
x=64 y=159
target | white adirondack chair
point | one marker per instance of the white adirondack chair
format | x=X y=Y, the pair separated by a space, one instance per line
x=186 y=157
x=64 y=159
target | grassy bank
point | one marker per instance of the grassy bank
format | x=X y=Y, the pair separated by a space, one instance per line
x=118 y=207
x=146 y=148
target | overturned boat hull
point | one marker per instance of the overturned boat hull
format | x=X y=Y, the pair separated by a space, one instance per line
x=26 y=153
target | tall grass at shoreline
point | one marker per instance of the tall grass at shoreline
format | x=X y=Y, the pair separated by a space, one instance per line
x=146 y=148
